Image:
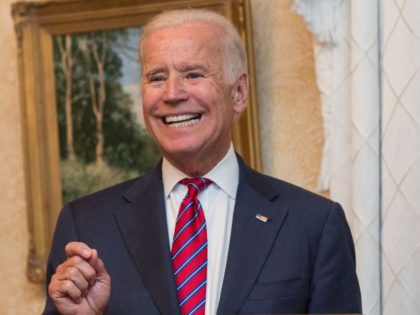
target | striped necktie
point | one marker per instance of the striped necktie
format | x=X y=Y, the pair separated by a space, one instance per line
x=189 y=250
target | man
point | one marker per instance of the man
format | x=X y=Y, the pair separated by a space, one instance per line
x=262 y=245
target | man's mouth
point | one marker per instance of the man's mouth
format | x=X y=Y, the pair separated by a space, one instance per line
x=177 y=121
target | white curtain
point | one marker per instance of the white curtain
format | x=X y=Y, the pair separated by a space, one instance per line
x=401 y=157
x=368 y=61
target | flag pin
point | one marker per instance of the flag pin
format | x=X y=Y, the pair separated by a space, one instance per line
x=261 y=217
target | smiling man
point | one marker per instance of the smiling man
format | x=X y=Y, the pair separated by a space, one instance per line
x=202 y=233
x=189 y=102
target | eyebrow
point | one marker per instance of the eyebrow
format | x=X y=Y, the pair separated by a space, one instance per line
x=190 y=67
x=154 y=71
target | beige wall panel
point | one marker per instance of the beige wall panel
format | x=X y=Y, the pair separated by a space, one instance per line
x=290 y=114
x=17 y=295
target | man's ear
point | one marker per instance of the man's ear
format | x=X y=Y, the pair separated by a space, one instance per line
x=240 y=94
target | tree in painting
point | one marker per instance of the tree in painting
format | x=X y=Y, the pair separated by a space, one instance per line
x=101 y=139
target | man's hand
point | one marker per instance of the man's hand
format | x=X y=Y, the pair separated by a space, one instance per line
x=81 y=285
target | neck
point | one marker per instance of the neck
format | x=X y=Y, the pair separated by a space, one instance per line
x=196 y=166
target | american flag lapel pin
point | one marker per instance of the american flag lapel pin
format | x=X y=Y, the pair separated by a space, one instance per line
x=261 y=217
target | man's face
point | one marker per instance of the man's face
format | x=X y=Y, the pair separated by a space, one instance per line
x=188 y=105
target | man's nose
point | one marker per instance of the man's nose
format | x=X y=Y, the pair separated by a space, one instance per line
x=175 y=91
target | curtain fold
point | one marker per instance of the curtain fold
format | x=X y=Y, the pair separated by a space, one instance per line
x=369 y=78
x=347 y=65
x=401 y=157
x=367 y=56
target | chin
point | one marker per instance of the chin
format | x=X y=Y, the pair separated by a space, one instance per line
x=178 y=146
x=181 y=151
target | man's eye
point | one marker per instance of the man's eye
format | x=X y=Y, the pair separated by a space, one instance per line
x=158 y=78
x=194 y=75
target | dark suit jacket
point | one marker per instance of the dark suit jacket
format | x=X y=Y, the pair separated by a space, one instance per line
x=301 y=261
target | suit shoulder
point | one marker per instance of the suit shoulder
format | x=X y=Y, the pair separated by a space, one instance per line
x=300 y=194
x=288 y=190
x=303 y=205
x=112 y=196
x=104 y=194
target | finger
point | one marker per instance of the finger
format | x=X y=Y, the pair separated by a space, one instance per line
x=76 y=276
x=79 y=249
x=79 y=267
x=59 y=289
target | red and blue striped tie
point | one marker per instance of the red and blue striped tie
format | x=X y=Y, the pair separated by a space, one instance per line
x=189 y=250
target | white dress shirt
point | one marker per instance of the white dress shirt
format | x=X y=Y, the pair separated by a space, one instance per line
x=218 y=201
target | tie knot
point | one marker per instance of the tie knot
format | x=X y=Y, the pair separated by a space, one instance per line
x=195 y=185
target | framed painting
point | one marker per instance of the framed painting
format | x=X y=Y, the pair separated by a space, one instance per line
x=81 y=107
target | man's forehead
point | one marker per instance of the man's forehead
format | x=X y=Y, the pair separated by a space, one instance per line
x=194 y=41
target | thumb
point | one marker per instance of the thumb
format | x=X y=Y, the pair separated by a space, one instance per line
x=98 y=265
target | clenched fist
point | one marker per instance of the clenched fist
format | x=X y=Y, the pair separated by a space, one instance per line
x=81 y=285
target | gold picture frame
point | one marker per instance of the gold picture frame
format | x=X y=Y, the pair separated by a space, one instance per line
x=36 y=23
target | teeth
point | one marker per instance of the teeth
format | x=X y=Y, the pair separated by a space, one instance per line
x=180 y=118
x=184 y=123
x=178 y=121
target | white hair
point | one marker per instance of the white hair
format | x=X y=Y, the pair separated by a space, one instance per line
x=235 y=61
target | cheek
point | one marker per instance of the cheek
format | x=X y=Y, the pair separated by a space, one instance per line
x=212 y=95
x=147 y=105
x=150 y=95
x=146 y=99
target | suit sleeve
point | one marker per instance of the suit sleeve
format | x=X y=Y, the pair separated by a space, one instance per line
x=334 y=285
x=65 y=232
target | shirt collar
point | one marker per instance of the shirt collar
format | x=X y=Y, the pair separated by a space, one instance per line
x=225 y=174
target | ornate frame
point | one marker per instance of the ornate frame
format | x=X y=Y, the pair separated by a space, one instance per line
x=35 y=24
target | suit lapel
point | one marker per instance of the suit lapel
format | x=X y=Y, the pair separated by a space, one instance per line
x=142 y=223
x=143 y=226
x=251 y=238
